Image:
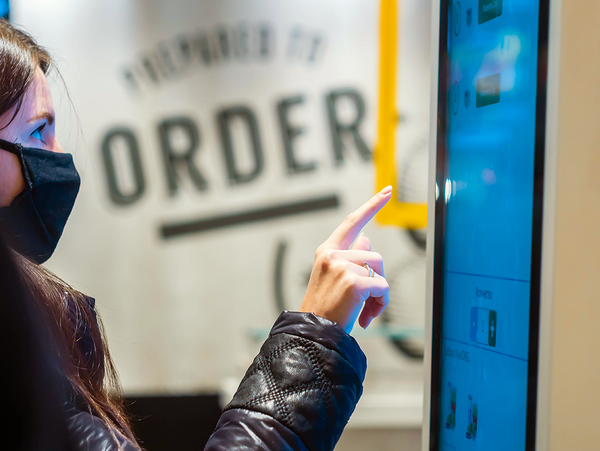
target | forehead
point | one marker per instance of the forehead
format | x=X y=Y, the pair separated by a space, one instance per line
x=37 y=98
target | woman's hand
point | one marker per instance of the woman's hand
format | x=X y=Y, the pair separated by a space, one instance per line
x=339 y=285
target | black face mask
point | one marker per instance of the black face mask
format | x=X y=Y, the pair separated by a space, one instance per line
x=34 y=221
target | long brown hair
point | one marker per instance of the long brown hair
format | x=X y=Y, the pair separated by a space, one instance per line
x=92 y=375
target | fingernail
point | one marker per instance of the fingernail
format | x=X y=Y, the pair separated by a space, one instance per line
x=386 y=190
x=363 y=234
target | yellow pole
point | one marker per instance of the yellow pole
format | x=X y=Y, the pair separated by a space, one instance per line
x=400 y=214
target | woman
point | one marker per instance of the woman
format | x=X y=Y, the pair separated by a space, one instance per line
x=303 y=386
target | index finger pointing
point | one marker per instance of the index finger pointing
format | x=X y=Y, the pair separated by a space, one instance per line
x=347 y=231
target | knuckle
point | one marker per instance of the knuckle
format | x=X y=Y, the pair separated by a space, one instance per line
x=348 y=283
x=319 y=252
x=351 y=219
x=326 y=258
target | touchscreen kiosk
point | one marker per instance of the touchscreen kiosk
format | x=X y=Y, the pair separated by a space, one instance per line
x=491 y=116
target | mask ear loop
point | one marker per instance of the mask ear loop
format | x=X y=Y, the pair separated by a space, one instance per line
x=17 y=149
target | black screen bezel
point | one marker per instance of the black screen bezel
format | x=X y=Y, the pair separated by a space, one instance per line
x=440 y=223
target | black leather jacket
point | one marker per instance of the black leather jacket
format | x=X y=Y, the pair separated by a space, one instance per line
x=298 y=394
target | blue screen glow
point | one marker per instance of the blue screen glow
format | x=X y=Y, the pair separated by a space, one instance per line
x=492 y=69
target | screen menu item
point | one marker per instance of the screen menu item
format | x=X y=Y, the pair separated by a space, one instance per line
x=488 y=192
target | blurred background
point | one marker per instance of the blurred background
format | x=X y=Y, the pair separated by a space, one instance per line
x=219 y=143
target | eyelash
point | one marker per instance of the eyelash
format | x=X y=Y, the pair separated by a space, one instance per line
x=39 y=132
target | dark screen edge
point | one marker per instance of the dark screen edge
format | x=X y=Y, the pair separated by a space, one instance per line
x=537 y=223
x=440 y=224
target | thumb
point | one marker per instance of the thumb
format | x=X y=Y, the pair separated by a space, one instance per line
x=362 y=243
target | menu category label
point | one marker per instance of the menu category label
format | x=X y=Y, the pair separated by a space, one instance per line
x=489 y=9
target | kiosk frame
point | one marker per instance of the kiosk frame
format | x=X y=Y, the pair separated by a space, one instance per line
x=537 y=419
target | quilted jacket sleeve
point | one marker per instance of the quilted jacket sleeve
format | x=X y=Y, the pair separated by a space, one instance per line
x=89 y=433
x=299 y=392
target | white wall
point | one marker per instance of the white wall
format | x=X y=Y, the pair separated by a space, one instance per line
x=179 y=312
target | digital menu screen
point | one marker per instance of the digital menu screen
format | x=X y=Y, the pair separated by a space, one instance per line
x=487 y=192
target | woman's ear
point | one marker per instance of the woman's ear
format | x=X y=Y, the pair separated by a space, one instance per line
x=11 y=178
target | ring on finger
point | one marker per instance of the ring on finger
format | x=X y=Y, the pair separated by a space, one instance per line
x=368 y=268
